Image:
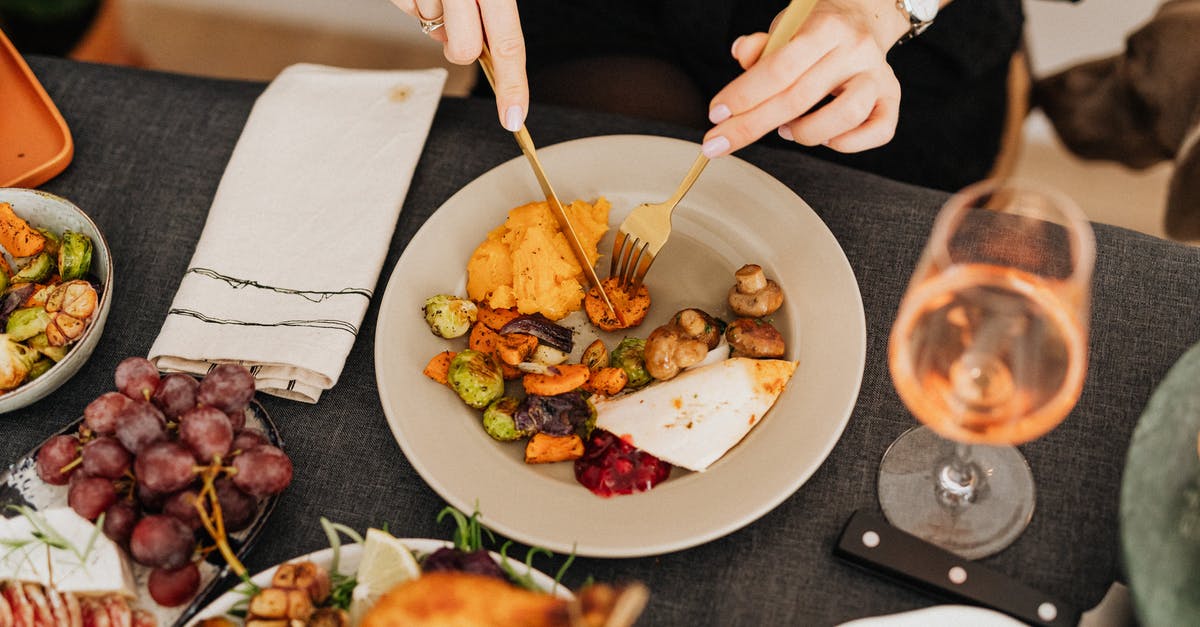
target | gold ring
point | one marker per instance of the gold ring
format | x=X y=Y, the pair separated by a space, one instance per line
x=428 y=26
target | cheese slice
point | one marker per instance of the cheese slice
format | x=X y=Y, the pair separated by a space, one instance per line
x=24 y=558
x=693 y=419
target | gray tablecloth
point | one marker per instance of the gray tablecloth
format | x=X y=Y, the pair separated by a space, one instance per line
x=150 y=149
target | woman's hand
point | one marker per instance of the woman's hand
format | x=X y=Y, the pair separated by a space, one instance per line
x=467 y=24
x=840 y=53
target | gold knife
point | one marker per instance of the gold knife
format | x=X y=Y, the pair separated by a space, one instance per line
x=564 y=222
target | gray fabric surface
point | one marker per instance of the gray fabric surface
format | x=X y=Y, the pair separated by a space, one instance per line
x=150 y=149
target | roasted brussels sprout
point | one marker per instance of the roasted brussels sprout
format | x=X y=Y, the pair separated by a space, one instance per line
x=39 y=368
x=53 y=241
x=15 y=362
x=26 y=323
x=449 y=316
x=42 y=345
x=476 y=378
x=40 y=268
x=498 y=419
x=629 y=355
x=74 y=256
x=4 y=272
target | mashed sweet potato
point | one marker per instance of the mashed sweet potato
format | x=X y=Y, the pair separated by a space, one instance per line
x=527 y=263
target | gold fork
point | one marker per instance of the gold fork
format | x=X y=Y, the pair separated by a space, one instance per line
x=643 y=234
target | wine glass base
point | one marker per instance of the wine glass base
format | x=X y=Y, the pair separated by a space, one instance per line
x=986 y=523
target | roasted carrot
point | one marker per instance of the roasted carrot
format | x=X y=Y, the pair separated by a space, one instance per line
x=560 y=380
x=495 y=319
x=482 y=339
x=439 y=367
x=631 y=308
x=543 y=448
x=514 y=348
x=510 y=372
x=16 y=236
x=607 y=381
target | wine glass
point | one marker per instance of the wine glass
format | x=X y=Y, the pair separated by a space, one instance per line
x=989 y=350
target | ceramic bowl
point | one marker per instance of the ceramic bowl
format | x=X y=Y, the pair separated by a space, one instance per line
x=48 y=211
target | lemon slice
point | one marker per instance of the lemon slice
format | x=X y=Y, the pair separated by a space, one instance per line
x=386 y=563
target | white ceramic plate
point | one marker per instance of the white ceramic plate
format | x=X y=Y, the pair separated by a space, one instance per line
x=939 y=616
x=735 y=214
x=351 y=556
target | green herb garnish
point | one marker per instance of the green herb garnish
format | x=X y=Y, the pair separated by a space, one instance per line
x=332 y=531
x=342 y=591
x=468 y=536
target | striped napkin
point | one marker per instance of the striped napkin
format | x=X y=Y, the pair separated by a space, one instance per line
x=300 y=226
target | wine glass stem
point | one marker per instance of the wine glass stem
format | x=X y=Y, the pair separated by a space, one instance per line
x=958 y=478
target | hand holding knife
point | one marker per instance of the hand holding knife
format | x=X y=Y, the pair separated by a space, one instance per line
x=556 y=207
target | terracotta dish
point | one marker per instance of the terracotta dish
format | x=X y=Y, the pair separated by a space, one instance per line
x=35 y=143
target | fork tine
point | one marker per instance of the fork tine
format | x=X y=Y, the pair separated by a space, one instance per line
x=642 y=269
x=618 y=248
x=631 y=267
x=628 y=250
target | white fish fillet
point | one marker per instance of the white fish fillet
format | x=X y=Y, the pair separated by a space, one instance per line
x=693 y=419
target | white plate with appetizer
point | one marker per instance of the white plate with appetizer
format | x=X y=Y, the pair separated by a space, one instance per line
x=704 y=431
x=233 y=604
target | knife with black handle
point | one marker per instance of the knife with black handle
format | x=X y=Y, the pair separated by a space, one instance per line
x=869 y=541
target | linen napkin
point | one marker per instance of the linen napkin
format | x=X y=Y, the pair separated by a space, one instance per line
x=300 y=226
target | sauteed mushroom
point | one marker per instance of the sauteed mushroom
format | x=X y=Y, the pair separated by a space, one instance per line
x=683 y=342
x=751 y=337
x=754 y=295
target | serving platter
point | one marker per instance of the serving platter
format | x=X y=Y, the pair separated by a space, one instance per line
x=21 y=486
x=348 y=561
x=735 y=214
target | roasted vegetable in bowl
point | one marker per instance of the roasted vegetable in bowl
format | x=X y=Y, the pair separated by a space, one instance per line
x=47 y=301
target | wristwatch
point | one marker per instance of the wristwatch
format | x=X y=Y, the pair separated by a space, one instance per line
x=920 y=15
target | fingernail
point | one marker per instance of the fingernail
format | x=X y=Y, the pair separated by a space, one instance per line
x=719 y=114
x=513 y=118
x=715 y=147
x=734 y=47
x=786 y=133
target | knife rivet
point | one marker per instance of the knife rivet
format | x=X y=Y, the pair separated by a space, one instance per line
x=1047 y=612
x=870 y=539
x=958 y=574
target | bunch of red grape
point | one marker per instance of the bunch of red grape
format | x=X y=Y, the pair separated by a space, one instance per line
x=162 y=458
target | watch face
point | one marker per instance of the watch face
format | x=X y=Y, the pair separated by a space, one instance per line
x=924 y=10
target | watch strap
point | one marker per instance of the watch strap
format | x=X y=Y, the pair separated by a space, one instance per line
x=916 y=25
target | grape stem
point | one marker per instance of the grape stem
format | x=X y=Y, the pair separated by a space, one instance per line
x=215 y=524
x=71 y=466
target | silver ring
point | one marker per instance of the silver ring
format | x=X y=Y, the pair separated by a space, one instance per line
x=428 y=26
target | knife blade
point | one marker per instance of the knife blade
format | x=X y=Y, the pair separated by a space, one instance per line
x=871 y=542
x=525 y=141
